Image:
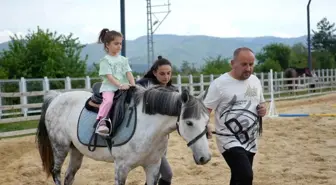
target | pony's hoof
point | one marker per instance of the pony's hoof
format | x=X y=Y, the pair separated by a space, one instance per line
x=163 y=182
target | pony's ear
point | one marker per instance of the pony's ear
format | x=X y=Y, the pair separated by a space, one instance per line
x=185 y=96
x=201 y=96
x=308 y=72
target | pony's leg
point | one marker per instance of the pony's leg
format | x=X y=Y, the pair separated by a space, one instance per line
x=152 y=173
x=60 y=152
x=76 y=159
x=121 y=171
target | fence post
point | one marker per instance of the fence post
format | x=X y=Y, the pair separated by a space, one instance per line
x=323 y=80
x=318 y=78
x=262 y=80
x=191 y=87
x=334 y=76
x=328 y=78
x=325 y=74
x=179 y=82
x=331 y=79
x=272 y=109
x=67 y=83
x=201 y=83
x=87 y=83
x=303 y=81
x=276 y=83
x=211 y=78
x=23 y=98
x=46 y=85
x=282 y=82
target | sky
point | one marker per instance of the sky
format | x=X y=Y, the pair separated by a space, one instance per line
x=219 y=18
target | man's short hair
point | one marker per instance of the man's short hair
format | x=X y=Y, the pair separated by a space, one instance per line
x=238 y=50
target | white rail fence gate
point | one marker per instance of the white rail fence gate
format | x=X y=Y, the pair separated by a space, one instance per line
x=21 y=100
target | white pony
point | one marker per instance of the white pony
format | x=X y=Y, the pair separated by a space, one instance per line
x=158 y=113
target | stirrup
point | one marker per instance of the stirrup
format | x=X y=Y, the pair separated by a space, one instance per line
x=106 y=121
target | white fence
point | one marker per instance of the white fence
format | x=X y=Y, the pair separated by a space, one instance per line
x=21 y=100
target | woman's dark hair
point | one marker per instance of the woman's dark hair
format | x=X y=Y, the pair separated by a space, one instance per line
x=159 y=62
x=106 y=36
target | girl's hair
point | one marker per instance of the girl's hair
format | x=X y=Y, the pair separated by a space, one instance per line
x=159 y=62
x=106 y=36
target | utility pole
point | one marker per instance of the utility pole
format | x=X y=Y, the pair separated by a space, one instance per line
x=122 y=27
x=153 y=26
x=310 y=65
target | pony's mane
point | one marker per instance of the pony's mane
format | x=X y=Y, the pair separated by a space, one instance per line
x=157 y=99
x=161 y=100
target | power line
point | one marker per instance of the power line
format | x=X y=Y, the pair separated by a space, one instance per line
x=153 y=26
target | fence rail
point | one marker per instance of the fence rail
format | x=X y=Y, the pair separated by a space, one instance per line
x=21 y=100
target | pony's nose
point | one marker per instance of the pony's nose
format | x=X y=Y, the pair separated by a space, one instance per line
x=202 y=160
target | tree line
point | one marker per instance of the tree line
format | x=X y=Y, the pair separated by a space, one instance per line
x=278 y=56
x=44 y=53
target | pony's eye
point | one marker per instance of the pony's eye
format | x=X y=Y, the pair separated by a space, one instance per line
x=189 y=123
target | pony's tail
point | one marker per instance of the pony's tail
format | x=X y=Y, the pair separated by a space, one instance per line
x=42 y=137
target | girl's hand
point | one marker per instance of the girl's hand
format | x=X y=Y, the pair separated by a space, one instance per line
x=124 y=86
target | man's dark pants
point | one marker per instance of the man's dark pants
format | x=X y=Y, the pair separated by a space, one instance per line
x=240 y=162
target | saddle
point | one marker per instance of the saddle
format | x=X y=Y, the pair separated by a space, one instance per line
x=97 y=98
x=121 y=106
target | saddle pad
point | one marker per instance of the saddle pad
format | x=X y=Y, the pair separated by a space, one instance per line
x=122 y=135
x=85 y=128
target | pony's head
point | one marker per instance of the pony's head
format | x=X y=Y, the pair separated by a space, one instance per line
x=308 y=72
x=192 y=116
x=301 y=71
x=192 y=126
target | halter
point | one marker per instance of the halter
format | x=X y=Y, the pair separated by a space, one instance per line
x=196 y=138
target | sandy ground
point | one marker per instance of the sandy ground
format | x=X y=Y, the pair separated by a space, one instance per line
x=293 y=151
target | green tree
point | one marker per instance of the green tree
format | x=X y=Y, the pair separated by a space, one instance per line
x=94 y=71
x=277 y=52
x=188 y=68
x=324 y=39
x=43 y=53
x=3 y=73
x=217 y=65
x=298 y=56
x=175 y=69
x=268 y=65
x=323 y=60
x=324 y=44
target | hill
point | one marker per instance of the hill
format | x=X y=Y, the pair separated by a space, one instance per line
x=179 y=48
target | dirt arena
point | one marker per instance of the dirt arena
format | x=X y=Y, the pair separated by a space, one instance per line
x=293 y=151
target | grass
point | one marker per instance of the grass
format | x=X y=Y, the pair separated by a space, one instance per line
x=292 y=95
x=18 y=126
